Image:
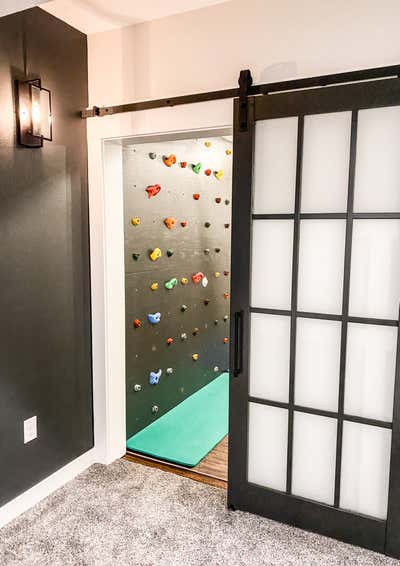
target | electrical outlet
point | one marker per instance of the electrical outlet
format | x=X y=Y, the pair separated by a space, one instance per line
x=30 y=429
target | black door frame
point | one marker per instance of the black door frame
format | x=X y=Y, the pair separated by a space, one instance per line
x=379 y=535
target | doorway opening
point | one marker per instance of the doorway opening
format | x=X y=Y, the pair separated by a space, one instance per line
x=176 y=222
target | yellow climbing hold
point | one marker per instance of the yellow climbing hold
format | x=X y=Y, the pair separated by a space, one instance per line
x=217 y=274
x=154 y=286
x=207 y=144
x=155 y=254
x=228 y=151
x=219 y=174
x=135 y=221
x=184 y=281
x=195 y=357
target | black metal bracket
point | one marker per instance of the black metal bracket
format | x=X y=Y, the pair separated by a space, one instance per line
x=245 y=82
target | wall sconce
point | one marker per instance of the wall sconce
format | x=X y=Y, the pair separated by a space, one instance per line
x=34 y=113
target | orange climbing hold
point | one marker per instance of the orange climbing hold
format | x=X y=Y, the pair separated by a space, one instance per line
x=226 y=340
x=170 y=160
x=226 y=295
x=170 y=341
x=170 y=222
x=207 y=172
x=196 y=196
x=137 y=323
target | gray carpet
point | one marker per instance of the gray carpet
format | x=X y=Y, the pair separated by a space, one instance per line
x=127 y=514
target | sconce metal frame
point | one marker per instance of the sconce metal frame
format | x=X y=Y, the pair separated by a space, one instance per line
x=25 y=99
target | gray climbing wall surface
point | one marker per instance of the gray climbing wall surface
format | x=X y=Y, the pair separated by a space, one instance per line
x=180 y=207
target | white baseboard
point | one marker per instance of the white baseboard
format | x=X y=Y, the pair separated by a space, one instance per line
x=29 y=498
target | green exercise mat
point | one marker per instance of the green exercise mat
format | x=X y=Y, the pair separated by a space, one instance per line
x=189 y=431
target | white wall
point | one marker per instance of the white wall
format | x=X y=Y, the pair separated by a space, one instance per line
x=193 y=52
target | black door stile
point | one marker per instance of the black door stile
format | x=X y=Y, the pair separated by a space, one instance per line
x=331 y=520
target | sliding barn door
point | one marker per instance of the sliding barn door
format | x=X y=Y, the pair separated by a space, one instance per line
x=314 y=416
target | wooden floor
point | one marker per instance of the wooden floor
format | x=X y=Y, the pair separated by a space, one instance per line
x=213 y=469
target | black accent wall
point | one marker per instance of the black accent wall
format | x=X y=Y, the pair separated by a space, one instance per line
x=45 y=345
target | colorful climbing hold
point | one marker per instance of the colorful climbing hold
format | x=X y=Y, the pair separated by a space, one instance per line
x=154 y=286
x=206 y=301
x=153 y=190
x=135 y=221
x=217 y=274
x=170 y=341
x=195 y=357
x=135 y=256
x=170 y=222
x=195 y=331
x=183 y=164
x=226 y=273
x=154 y=318
x=207 y=224
x=228 y=151
x=226 y=317
x=204 y=281
x=216 y=369
x=184 y=281
x=155 y=254
x=218 y=200
x=154 y=377
x=226 y=340
x=183 y=308
x=226 y=295
x=137 y=323
x=217 y=250
x=170 y=252
x=216 y=321
x=169 y=371
x=227 y=201
x=219 y=174
x=207 y=143
x=154 y=409
x=152 y=155
x=184 y=223
x=196 y=196
x=196 y=168
x=169 y=160
x=171 y=283
x=183 y=336
x=226 y=225
x=207 y=172
x=137 y=387
x=207 y=251
x=197 y=277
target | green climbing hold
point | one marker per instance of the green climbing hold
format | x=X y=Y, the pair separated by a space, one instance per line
x=196 y=168
x=170 y=253
x=135 y=257
x=171 y=283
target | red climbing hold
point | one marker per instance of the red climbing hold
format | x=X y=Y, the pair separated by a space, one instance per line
x=218 y=200
x=196 y=196
x=226 y=225
x=153 y=190
x=207 y=172
x=226 y=340
x=226 y=273
x=170 y=160
x=170 y=341
x=183 y=164
x=197 y=277
x=137 y=323
x=184 y=223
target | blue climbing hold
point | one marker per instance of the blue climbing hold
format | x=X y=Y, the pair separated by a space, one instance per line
x=154 y=377
x=154 y=318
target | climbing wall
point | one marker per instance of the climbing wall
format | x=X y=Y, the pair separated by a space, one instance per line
x=177 y=258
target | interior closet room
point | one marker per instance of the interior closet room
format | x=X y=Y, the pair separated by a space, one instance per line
x=177 y=221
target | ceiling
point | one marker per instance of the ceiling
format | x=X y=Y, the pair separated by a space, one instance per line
x=93 y=16
x=11 y=6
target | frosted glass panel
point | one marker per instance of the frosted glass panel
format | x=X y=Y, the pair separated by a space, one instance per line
x=317 y=363
x=269 y=357
x=271 y=279
x=268 y=430
x=378 y=165
x=314 y=457
x=375 y=269
x=326 y=153
x=370 y=371
x=321 y=265
x=275 y=165
x=365 y=469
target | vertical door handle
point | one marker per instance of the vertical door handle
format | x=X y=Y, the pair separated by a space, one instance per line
x=238 y=344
